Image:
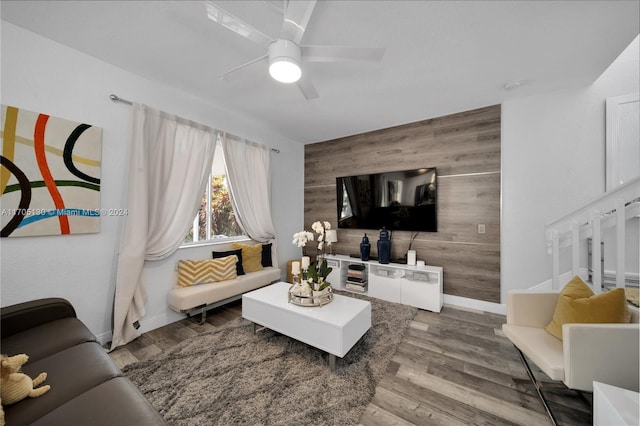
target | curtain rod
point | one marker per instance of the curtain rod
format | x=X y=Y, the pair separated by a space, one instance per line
x=116 y=98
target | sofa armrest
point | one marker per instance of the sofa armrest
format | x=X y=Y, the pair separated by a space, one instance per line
x=531 y=309
x=23 y=316
x=606 y=353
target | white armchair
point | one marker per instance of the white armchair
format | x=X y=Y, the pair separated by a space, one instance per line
x=606 y=353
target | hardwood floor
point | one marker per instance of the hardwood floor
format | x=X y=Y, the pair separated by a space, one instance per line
x=451 y=368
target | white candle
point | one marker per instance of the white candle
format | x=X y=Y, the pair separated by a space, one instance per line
x=411 y=257
x=305 y=262
x=295 y=268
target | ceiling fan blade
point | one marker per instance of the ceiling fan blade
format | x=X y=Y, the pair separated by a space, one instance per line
x=307 y=88
x=342 y=53
x=296 y=18
x=226 y=74
x=227 y=20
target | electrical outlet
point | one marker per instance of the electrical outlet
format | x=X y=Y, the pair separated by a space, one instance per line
x=481 y=228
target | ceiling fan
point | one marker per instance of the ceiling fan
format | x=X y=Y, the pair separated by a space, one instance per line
x=285 y=54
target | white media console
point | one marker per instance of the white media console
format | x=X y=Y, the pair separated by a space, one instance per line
x=410 y=285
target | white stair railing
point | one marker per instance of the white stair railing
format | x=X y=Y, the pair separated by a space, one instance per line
x=613 y=209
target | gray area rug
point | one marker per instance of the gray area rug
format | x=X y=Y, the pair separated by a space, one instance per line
x=232 y=376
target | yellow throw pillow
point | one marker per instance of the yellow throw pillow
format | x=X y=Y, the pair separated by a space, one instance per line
x=251 y=256
x=193 y=272
x=578 y=304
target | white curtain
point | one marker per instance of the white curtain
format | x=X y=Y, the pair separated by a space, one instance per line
x=169 y=167
x=248 y=168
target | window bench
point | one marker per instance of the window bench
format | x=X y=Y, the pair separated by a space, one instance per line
x=198 y=299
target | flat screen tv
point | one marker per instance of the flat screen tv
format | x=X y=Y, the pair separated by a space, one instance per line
x=403 y=200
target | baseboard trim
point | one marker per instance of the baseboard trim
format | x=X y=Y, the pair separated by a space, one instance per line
x=146 y=325
x=631 y=278
x=564 y=278
x=609 y=276
x=104 y=338
x=477 y=305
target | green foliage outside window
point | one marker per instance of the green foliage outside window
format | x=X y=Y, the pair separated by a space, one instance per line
x=221 y=217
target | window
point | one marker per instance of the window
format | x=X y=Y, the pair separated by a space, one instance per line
x=215 y=220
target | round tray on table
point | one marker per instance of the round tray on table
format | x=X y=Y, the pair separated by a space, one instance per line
x=310 y=301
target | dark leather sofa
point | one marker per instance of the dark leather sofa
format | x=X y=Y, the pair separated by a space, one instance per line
x=87 y=388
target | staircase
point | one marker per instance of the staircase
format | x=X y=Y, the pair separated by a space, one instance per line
x=614 y=209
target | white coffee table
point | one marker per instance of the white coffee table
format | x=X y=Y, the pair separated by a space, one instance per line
x=333 y=328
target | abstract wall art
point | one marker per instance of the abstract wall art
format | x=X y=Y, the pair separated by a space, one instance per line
x=49 y=175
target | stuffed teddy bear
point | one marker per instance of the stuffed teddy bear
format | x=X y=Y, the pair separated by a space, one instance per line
x=16 y=386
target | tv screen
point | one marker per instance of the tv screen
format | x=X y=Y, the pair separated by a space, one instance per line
x=403 y=200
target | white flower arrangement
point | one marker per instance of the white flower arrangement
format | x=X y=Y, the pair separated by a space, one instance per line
x=318 y=271
x=301 y=238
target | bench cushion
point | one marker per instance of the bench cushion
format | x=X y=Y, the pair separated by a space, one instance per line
x=182 y=299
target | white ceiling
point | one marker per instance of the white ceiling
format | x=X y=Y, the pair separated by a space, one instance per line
x=441 y=56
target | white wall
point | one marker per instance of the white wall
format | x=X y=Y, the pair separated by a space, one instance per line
x=553 y=162
x=44 y=76
x=622 y=78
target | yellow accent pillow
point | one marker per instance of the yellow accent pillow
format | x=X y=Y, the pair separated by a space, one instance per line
x=193 y=272
x=251 y=256
x=577 y=303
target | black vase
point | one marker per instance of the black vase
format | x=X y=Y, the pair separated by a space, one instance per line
x=384 y=247
x=365 y=248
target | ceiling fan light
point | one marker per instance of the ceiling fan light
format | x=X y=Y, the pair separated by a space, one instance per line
x=284 y=61
x=285 y=71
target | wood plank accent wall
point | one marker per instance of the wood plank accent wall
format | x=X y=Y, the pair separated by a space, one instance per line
x=465 y=148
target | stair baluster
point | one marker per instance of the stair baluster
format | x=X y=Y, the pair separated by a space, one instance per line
x=619 y=206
